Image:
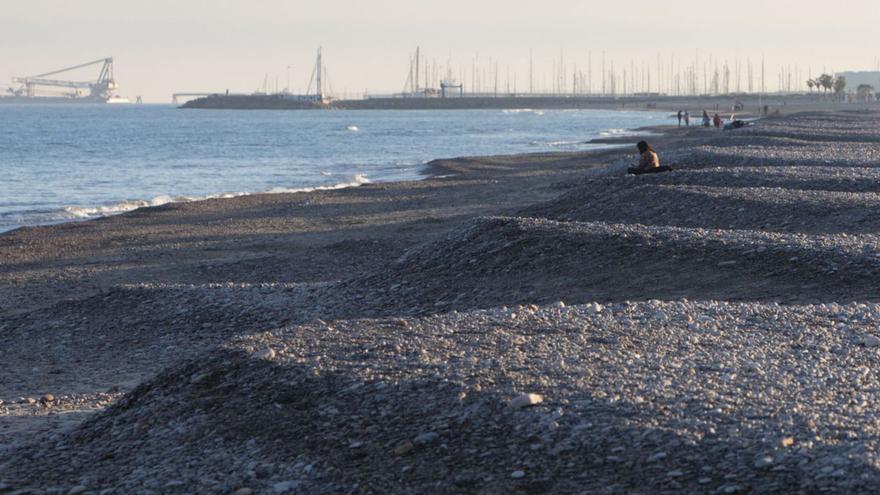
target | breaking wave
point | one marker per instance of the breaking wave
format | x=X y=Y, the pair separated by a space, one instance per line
x=84 y=212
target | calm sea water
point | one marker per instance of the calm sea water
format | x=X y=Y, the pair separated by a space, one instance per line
x=65 y=162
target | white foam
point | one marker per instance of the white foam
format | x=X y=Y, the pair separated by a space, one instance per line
x=84 y=212
x=617 y=132
x=512 y=111
x=353 y=128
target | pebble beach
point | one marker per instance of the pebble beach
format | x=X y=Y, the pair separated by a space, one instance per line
x=527 y=324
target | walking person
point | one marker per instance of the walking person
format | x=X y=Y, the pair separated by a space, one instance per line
x=707 y=121
x=687 y=118
x=680 y=116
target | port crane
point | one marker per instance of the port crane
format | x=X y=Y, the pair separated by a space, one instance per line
x=101 y=88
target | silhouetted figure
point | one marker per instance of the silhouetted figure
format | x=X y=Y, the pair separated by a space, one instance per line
x=707 y=121
x=649 y=163
x=717 y=121
x=687 y=118
x=680 y=116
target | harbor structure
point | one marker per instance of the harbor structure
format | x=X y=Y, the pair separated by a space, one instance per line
x=48 y=87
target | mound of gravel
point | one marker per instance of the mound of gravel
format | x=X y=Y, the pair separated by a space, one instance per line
x=667 y=202
x=130 y=329
x=495 y=261
x=837 y=127
x=836 y=154
x=637 y=398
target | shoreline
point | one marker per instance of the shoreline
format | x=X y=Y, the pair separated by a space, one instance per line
x=130 y=205
x=526 y=325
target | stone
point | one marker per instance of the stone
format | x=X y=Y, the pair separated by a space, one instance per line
x=763 y=462
x=47 y=398
x=199 y=378
x=518 y=474
x=787 y=442
x=426 y=438
x=870 y=341
x=243 y=491
x=355 y=445
x=268 y=354
x=77 y=490
x=526 y=400
x=675 y=474
x=656 y=457
x=285 y=486
x=404 y=448
x=29 y=400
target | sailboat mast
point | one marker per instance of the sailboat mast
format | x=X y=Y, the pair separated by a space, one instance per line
x=319 y=69
x=416 y=81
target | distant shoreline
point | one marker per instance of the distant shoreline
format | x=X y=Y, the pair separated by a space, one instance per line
x=752 y=105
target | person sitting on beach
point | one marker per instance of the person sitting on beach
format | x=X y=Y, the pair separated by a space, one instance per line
x=706 y=120
x=650 y=161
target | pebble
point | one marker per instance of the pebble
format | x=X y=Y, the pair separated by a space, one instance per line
x=47 y=398
x=285 y=486
x=77 y=490
x=426 y=438
x=267 y=354
x=518 y=474
x=404 y=448
x=243 y=491
x=526 y=400
x=870 y=341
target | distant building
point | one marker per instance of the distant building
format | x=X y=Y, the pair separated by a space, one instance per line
x=854 y=79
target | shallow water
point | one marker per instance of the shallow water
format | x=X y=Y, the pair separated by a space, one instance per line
x=66 y=162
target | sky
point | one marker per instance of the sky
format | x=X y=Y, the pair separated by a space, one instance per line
x=163 y=46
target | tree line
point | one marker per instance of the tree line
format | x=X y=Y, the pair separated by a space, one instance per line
x=827 y=82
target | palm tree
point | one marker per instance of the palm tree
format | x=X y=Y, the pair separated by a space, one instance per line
x=810 y=84
x=839 y=85
x=826 y=82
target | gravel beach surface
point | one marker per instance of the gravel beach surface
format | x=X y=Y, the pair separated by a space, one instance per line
x=528 y=324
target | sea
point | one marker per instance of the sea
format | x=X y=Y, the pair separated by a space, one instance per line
x=63 y=163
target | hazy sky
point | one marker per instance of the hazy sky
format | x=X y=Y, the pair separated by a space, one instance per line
x=164 y=46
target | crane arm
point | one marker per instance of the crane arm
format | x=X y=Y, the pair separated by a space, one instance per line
x=75 y=67
x=51 y=82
